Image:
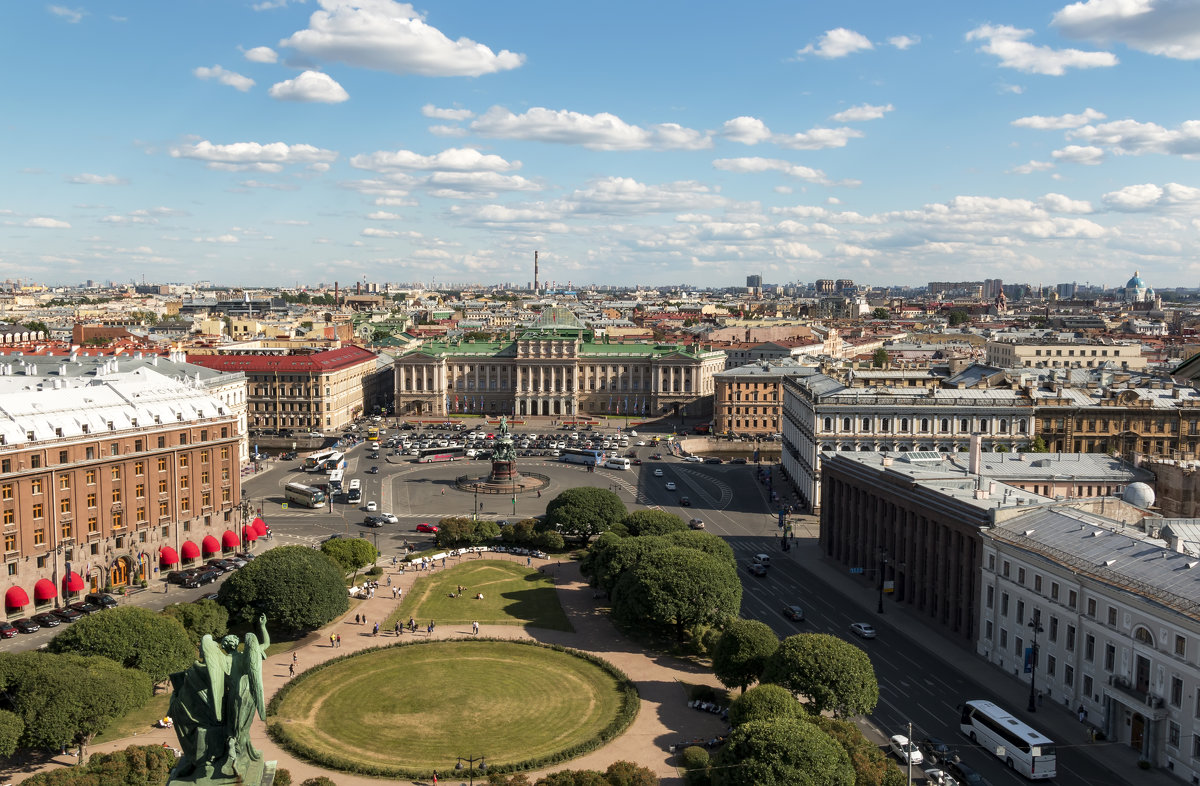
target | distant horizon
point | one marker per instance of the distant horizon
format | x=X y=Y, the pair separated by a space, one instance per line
x=292 y=140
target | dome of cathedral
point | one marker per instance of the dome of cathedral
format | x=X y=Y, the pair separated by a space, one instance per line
x=1136 y=282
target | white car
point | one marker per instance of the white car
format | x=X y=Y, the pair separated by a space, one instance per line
x=670 y=485
x=658 y=473
x=371 y=506
x=905 y=749
x=641 y=443
x=864 y=630
x=694 y=459
x=389 y=518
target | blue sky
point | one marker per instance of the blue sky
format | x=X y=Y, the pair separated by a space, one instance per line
x=279 y=142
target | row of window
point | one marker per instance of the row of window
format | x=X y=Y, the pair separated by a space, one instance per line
x=924 y=425
x=114 y=449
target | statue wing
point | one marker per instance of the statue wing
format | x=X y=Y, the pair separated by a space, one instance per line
x=254 y=656
x=214 y=658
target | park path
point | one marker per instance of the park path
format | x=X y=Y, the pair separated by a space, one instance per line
x=663 y=719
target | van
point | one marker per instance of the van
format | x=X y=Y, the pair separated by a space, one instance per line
x=617 y=463
x=763 y=559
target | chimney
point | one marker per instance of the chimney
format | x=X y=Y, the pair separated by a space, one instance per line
x=976 y=455
x=535 y=272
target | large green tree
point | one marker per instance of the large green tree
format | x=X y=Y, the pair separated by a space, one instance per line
x=765 y=702
x=831 y=674
x=742 y=651
x=584 y=512
x=351 y=554
x=675 y=589
x=782 y=752
x=872 y=767
x=201 y=618
x=68 y=699
x=296 y=587
x=706 y=542
x=652 y=522
x=12 y=728
x=132 y=636
x=611 y=556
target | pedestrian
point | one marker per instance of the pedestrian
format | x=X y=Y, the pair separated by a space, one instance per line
x=474 y=628
x=443 y=492
x=376 y=631
x=539 y=493
x=331 y=641
x=339 y=641
x=397 y=627
x=291 y=669
x=355 y=619
x=294 y=657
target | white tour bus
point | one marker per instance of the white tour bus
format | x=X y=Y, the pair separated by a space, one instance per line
x=1024 y=749
x=316 y=461
x=335 y=479
x=617 y=463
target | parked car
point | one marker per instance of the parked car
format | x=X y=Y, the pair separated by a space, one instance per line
x=179 y=576
x=794 y=613
x=46 y=619
x=7 y=630
x=290 y=455
x=25 y=625
x=220 y=565
x=200 y=578
x=864 y=630
x=737 y=461
x=207 y=596
x=905 y=749
x=101 y=599
x=757 y=569
x=237 y=561
x=712 y=460
x=67 y=614
x=963 y=773
x=425 y=527
x=685 y=502
x=245 y=556
x=695 y=524
x=83 y=607
x=935 y=750
x=670 y=485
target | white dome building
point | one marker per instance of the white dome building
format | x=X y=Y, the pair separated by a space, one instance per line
x=1136 y=290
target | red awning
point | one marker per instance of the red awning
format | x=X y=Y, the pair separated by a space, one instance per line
x=189 y=550
x=44 y=590
x=73 y=583
x=168 y=556
x=230 y=540
x=210 y=544
x=16 y=598
x=259 y=526
x=248 y=534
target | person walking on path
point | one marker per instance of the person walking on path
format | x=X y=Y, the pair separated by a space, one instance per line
x=397 y=627
x=339 y=641
x=331 y=640
x=295 y=657
x=474 y=628
x=376 y=631
x=292 y=669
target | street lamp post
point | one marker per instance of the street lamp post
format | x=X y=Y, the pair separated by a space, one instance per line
x=883 y=561
x=470 y=768
x=1035 y=625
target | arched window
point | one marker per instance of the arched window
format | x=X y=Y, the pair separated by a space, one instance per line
x=1142 y=634
x=866 y=424
x=846 y=425
x=983 y=426
x=945 y=425
x=964 y=425
x=924 y=425
x=1021 y=426
x=829 y=424
x=1003 y=426
x=885 y=424
x=904 y=425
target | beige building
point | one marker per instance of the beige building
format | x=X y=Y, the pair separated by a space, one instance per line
x=748 y=400
x=1055 y=354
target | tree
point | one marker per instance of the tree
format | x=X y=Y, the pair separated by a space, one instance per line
x=783 y=752
x=584 y=512
x=957 y=317
x=573 y=778
x=872 y=767
x=35 y=326
x=136 y=765
x=11 y=730
x=1037 y=445
x=200 y=618
x=611 y=556
x=297 y=588
x=350 y=554
x=677 y=588
x=522 y=531
x=880 y=313
x=134 y=637
x=626 y=773
x=830 y=673
x=550 y=541
x=652 y=522
x=742 y=652
x=1000 y=447
x=765 y=702
x=68 y=699
x=706 y=542
x=879 y=359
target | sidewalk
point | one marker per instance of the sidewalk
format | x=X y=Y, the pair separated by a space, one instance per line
x=1054 y=719
x=664 y=718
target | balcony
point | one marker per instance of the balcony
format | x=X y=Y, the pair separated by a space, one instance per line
x=1144 y=702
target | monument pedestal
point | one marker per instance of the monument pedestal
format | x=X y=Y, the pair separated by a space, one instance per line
x=504 y=472
x=260 y=773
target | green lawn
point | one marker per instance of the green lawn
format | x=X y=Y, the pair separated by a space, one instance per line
x=420 y=706
x=512 y=595
x=138 y=721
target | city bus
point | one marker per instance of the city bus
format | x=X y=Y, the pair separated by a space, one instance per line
x=372 y=433
x=335 y=479
x=300 y=494
x=592 y=458
x=335 y=462
x=1024 y=749
x=316 y=461
x=426 y=455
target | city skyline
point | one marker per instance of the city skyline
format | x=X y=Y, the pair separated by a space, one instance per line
x=281 y=141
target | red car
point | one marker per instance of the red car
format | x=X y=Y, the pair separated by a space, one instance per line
x=423 y=527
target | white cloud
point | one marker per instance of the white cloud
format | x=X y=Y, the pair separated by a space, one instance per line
x=838 y=42
x=144 y=216
x=220 y=239
x=383 y=215
x=390 y=36
x=438 y=113
x=747 y=130
x=224 y=76
x=861 y=112
x=88 y=179
x=1170 y=28
x=1059 y=122
x=1079 y=154
x=268 y=185
x=252 y=156
x=269 y=5
x=311 y=86
x=602 y=131
x=817 y=138
x=452 y=159
x=754 y=165
x=1129 y=137
x=904 y=41
x=627 y=195
x=1031 y=167
x=262 y=54
x=41 y=222
x=455 y=185
x=443 y=130
x=72 y=15
x=1059 y=203
x=374 y=232
x=1008 y=44
x=1148 y=196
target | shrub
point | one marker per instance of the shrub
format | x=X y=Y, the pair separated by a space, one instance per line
x=136 y=764
x=695 y=761
x=375 y=570
x=318 y=781
x=550 y=541
x=283 y=777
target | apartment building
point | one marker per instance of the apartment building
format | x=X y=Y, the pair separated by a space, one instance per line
x=1036 y=353
x=748 y=400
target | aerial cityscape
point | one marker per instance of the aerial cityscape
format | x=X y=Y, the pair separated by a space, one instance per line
x=668 y=394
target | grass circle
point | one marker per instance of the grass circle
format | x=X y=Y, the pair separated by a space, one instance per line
x=410 y=709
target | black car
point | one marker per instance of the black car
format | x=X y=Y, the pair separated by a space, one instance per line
x=67 y=614
x=7 y=630
x=757 y=569
x=83 y=607
x=179 y=576
x=373 y=471
x=737 y=461
x=46 y=619
x=934 y=750
x=208 y=596
x=684 y=502
x=26 y=626
x=373 y=521
x=101 y=599
x=966 y=776
x=200 y=578
x=712 y=460
x=291 y=455
x=220 y=565
x=245 y=556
